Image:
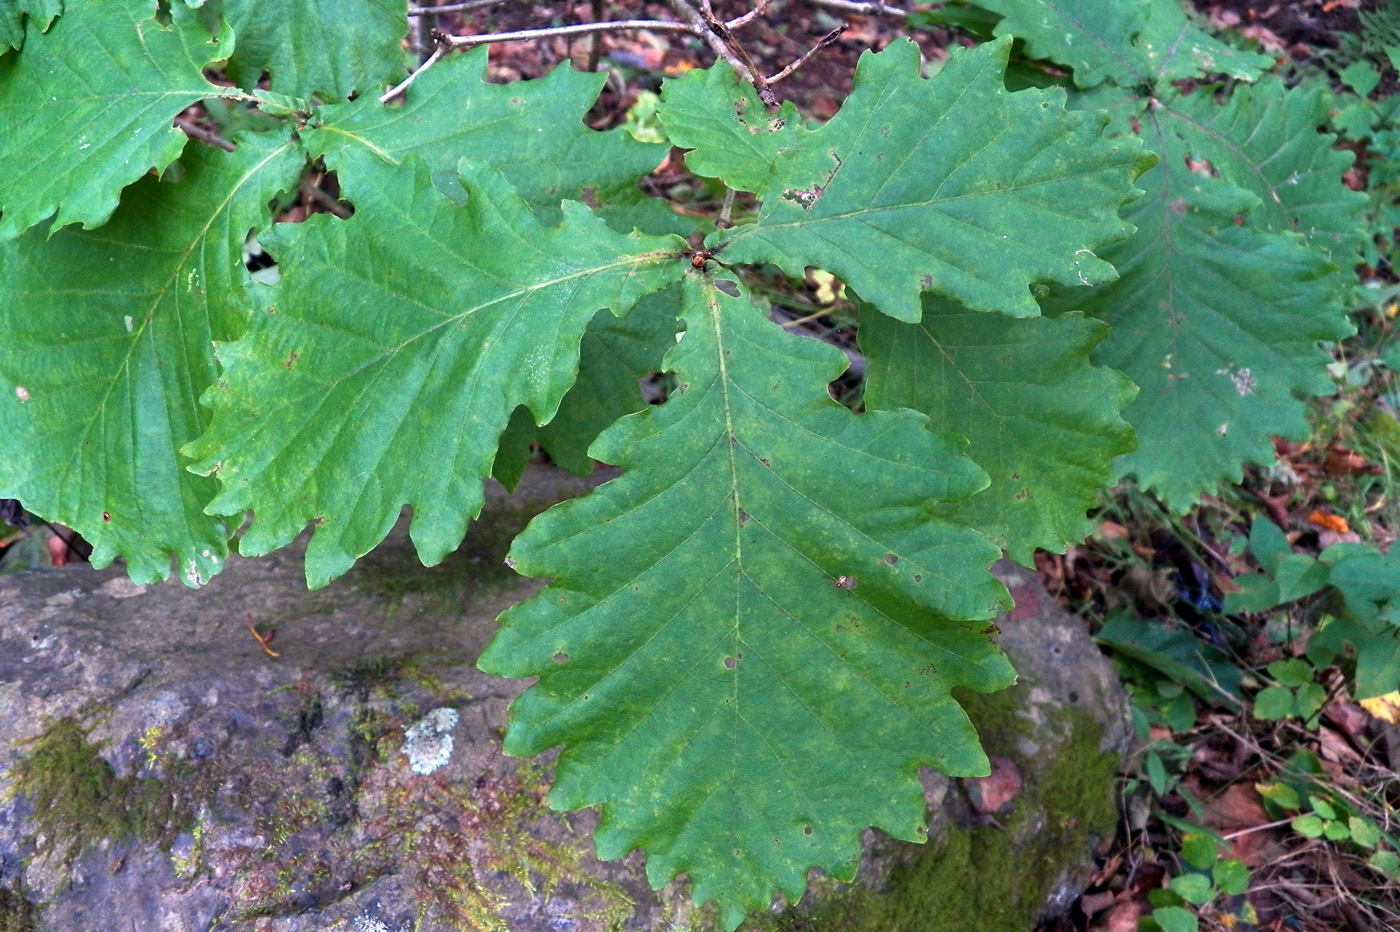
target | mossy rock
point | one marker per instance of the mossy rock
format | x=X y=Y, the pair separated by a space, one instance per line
x=158 y=760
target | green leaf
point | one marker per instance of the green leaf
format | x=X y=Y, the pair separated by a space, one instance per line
x=1146 y=43
x=1298 y=576
x=1092 y=37
x=14 y=13
x=1309 y=826
x=531 y=131
x=95 y=403
x=1361 y=76
x=1387 y=862
x=73 y=141
x=614 y=355
x=915 y=183
x=1279 y=793
x=1258 y=593
x=1292 y=672
x=1199 y=851
x=1040 y=419
x=1377 y=653
x=1194 y=888
x=1265 y=140
x=729 y=130
x=1175 y=919
x=332 y=49
x=755 y=668
x=397 y=345
x=1273 y=703
x=1217 y=323
x=1363 y=832
x=1268 y=543
x=1198 y=666
x=1177 y=49
x=1231 y=876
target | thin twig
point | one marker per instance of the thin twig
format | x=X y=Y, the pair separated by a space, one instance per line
x=699 y=27
x=718 y=28
x=857 y=6
x=621 y=25
x=724 y=222
x=741 y=21
x=451 y=7
x=196 y=131
x=402 y=86
x=595 y=51
x=826 y=40
x=325 y=200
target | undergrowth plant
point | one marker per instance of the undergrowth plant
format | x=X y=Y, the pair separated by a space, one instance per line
x=752 y=634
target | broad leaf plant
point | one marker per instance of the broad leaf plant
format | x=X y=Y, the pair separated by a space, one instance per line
x=752 y=635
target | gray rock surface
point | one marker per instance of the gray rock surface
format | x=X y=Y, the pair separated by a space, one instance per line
x=161 y=769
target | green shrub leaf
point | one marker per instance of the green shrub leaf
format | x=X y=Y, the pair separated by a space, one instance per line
x=14 y=13
x=531 y=131
x=915 y=183
x=1217 y=322
x=70 y=145
x=719 y=622
x=329 y=49
x=1040 y=419
x=396 y=347
x=729 y=130
x=1143 y=43
x=97 y=401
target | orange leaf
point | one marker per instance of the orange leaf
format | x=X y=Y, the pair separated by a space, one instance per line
x=1330 y=522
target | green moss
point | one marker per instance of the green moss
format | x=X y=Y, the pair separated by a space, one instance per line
x=987 y=879
x=79 y=800
x=17 y=914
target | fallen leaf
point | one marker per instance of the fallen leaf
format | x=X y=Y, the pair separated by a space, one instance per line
x=1386 y=708
x=1331 y=522
x=995 y=792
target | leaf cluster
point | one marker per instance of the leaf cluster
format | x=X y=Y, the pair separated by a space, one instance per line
x=752 y=637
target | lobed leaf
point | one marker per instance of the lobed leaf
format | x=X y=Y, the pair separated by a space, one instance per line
x=729 y=131
x=1216 y=322
x=105 y=349
x=1042 y=421
x=614 y=355
x=87 y=107
x=396 y=346
x=916 y=183
x=751 y=637
x=1265 y=140
x=1093 y=37
x=14 y=13
x=531 y=131
x=331 y=48
x=1145 y=44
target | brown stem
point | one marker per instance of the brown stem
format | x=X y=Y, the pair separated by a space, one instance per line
x=826 y=40
x=195 y=131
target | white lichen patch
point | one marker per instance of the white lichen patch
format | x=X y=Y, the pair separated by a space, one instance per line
x=428 y=743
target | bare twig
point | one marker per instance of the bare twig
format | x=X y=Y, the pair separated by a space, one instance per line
x=402 y=86
x=595 y=51
x=621 y=25
x=857 y=6
x=741 y=21
x=452 y=7
x=195 y=131
x=724 y=222
x=314 y=192
x=826 y=40
x=699 y=27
